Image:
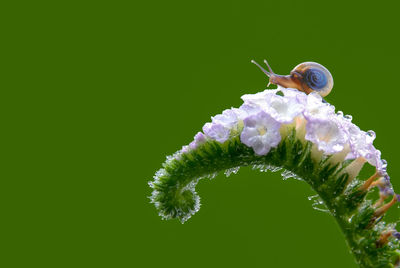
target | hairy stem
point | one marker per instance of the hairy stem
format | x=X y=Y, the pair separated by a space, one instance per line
x=332 y=178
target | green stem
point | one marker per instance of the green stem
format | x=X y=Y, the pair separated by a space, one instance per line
x=175 y=197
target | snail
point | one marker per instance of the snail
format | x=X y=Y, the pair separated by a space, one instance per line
x=307 y=77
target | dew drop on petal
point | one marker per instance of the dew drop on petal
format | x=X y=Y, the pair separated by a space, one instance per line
x=384 y=164
x=371 y=134
x=348 y=117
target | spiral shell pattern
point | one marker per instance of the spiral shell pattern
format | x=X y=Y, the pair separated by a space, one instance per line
x=316 y=77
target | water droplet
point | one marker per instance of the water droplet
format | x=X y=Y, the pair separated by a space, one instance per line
x=212 y=175
x=371 y=134
x=160 y=173
x=233 y=170
x=312 y=197
x=274 y=169
x=262 y=168
x=288 y=174
x=318 y=203
x=348 y=117
x=384 y=164
x=256 y=166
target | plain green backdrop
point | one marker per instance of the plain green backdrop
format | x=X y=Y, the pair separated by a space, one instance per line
x=96 y=94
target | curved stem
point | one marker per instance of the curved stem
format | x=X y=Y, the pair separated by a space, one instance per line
x=332 y=178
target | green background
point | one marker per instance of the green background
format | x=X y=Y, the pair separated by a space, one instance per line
x=96 y=94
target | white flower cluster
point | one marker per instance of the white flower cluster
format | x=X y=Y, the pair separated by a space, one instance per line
x=263 y=114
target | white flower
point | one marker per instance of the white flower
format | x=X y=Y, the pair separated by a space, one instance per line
x=316 y=108
x=249 y=109
x=185 y=149
x=261 y=132
x=327 y=134
x=264 y=112
x=216 y=132
x=199 y=139
x=294 y=93
x=230 y=117
x=283 y=109
x=259 y=98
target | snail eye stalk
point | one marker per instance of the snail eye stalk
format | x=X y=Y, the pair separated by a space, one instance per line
x=269 y=67
x=262 y=69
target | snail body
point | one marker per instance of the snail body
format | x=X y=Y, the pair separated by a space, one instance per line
x=307 y=77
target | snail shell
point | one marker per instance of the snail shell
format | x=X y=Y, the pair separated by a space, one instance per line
x=307 y=77
x=315 y=78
